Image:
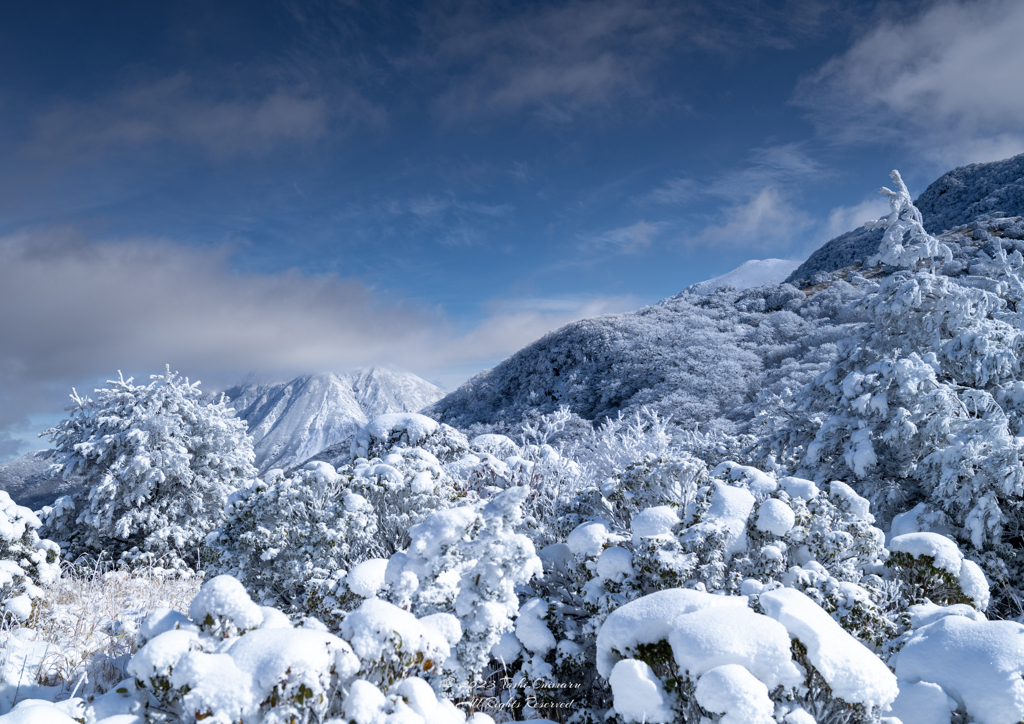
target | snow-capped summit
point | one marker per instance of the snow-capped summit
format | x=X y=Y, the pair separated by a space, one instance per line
x=292 y=421
x=752 y=273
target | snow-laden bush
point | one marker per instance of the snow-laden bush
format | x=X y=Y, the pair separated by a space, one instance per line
x=408 y=429
x=231 y=661
x=158 y=461
x=26 y=561
x=292 y=538
x=689 y=654
x=467 y=561
x=284 y=530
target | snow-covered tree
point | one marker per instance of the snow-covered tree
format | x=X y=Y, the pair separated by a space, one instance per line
x=284 y=531
x=26 y=561
x=159 y=462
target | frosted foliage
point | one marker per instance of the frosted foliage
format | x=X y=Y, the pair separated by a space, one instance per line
x=159 y=463
x=467 y=561
x=923 y=402
x=285 y=531
x=284 y=675
x=27 y=562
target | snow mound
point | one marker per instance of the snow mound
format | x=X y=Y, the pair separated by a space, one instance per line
x=854 y=673
x=947 y=556
x=980 y=664
x=752 y=273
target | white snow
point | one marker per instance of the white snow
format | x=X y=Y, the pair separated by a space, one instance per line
x=922 y=703
x=756 y=481
x=639 y=694
x=415 y=426
x=588 y=539
x=531 y=630
x=774 y=516
x=717 y=635
x=366 y=578
x=659 y=520
x=799 y=488
x=732 y=506
x=615 y=564
x=948 y=557
x=859 y=506
x=980 y=664
x=651 y=619
x=752 y=273
x=854 y=673
x=224 y=597
x=731 y=690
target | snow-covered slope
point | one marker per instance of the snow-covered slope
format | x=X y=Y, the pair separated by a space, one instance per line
x=292 y=421
x=956 y=198
x=752 y=273
x=697 y=359
x=28 y=481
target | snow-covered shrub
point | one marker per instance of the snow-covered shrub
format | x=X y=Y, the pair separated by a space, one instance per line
x=467 y=561
x=408 y=429
x=954 y=660
x=403 y=487
x=933 y=569
x=26 y=561
x=685 y=654
x=159 y=462
x=283 y=531
x=232 y=661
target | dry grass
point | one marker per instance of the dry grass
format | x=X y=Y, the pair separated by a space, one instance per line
x=89 y=621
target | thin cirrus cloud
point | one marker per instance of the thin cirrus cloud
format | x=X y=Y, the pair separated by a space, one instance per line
x=945 y=81
x=626 y=239
x=173 y=109
x=80 y=309
x=559 y=62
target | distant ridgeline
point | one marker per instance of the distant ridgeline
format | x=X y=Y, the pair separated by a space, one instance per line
x=706 y=358
x=956 y=198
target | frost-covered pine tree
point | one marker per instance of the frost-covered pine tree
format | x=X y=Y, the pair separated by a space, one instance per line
x=159 y=462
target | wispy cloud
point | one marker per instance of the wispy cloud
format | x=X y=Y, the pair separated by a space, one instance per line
x=946 y=81
x=559 y=61
x=766 y=220
x=223 y=122
x=672 y=192
x=626 y=239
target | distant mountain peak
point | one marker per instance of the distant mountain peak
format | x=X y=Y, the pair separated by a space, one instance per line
x=294 y=420
x=752 y=273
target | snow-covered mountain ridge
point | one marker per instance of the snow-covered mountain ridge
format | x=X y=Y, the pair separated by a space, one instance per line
x=292 y=421
x=956 y=198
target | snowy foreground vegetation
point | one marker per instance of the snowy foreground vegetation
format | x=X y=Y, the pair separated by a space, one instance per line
x=845 y=553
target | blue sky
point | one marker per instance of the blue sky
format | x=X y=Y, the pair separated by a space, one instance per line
x=290 y=187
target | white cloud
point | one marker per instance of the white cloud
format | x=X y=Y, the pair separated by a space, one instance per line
x=76 y=311
x=947 y=81
x=626 y=239
x=847 y=218
x=248 y=121
x=766 y=220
